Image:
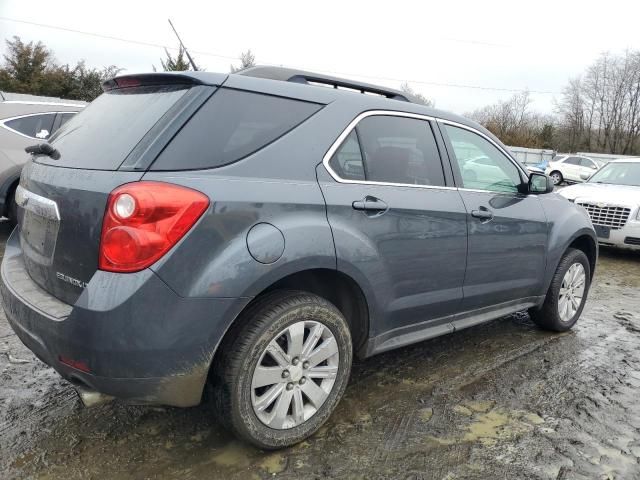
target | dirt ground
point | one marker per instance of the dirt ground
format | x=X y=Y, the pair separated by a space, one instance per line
x=501 y=400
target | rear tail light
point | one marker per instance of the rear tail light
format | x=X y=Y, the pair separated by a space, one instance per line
x=143 y=220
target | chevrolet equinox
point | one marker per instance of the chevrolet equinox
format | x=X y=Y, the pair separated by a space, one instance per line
x=250 y=233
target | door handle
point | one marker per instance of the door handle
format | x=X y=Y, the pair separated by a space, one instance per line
x=370 y=204
x=482 y=214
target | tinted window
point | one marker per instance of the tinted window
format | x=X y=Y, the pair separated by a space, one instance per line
x=482 y=165
x=230 y=126
x=64 y=118
x=400 y=150
x=572 y=161
x=585 y=162
x=102 y=135
x=347 y=161
x=36 y=126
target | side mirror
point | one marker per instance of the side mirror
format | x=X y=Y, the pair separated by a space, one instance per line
x=540 y=183
x=585 y=176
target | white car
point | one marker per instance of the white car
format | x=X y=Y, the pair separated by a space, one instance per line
x=612 y=198
x=572 y=168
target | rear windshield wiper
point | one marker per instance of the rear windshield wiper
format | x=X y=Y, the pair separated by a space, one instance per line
x=43 y=149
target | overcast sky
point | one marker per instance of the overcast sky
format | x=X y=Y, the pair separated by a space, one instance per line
x=433 y=45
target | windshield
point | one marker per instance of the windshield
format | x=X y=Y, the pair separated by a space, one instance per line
x=618 y=174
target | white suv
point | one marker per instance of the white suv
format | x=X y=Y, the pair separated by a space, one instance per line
x=571 y=168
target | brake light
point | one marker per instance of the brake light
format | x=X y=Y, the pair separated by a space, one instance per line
x=143 y=220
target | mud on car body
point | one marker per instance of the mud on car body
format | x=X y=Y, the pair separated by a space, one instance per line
x=252 y=232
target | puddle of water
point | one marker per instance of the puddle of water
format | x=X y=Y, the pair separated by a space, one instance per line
x=232 y=455
x=274 y=463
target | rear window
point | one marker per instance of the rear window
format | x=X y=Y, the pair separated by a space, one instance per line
x=230 y=126
x=104 y=133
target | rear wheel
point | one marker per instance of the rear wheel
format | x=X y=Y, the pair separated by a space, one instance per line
x=11 y=208
x=556 y=177
x=567 y=293
x=283 y=369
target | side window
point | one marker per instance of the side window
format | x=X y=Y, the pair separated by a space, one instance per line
x=231 y=125
x=35 y=126
x=400 y=150
x=572 y=161
x=482 y=165
x=347 y=161
x=585 y=162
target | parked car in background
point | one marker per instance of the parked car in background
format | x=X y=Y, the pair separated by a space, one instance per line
x=538 y=167
x=612 y=198
x=252 y=232
x=571 y=168
x=25 y=120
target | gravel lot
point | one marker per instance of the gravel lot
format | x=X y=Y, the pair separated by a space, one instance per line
x=501 y=400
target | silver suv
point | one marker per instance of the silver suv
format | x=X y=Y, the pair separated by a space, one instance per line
x=25 y=119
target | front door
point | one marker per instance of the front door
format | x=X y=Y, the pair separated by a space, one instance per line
x=507 y=229
x=398 y=227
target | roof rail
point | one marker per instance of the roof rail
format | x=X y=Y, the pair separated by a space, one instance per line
x=310 y=78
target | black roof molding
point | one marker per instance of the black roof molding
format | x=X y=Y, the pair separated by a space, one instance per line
x=310 y=78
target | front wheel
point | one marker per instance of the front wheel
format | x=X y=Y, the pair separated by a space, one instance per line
x=567 y=293
x=556 y=177
x=283 y=369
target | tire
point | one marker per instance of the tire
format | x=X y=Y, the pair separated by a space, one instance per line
x=238 y=404
x=12 y=207
x=557 y=177
x=552 y=316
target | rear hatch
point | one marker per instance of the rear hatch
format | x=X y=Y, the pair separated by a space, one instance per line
x=62 y=197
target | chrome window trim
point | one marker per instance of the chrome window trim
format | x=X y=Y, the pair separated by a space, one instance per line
x=486 y=137
x=394 y=113
x=4 y=120
x=345 y=133
x=52 y=104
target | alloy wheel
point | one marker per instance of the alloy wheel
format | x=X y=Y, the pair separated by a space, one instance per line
x=295 y=375
x=571 y=292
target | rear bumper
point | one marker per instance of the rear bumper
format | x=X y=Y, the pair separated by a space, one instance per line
x=129 y=335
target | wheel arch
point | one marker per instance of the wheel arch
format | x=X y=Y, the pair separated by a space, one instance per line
x=337 y=287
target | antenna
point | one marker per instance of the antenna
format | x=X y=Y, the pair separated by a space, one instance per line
x=193 y=65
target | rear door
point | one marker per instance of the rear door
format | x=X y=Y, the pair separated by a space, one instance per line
x=397 y=223
x=587 y=168
x=507 y=229
x=571 y=169
x=62 y=198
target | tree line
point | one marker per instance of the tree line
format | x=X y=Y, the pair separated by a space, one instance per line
x=598 y=111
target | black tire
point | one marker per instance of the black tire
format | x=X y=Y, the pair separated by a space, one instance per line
x=560 y=175
x=548 y=316
x=241 y=350
x=11 y=207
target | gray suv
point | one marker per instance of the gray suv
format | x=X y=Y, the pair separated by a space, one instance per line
x=250 y=233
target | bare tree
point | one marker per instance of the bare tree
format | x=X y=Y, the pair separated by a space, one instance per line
x=406 y=88
x=247 y=60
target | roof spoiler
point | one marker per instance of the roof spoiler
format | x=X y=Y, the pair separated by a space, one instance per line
x=310 y=78
x=162 y=78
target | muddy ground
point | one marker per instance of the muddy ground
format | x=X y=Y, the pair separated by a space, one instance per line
x=502 y=400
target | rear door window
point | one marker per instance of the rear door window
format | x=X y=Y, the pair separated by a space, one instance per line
x=347 y=161
x=572 y=161
x=34 y=126
x=400 y=150
x=104 y=133
x=232 y=125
